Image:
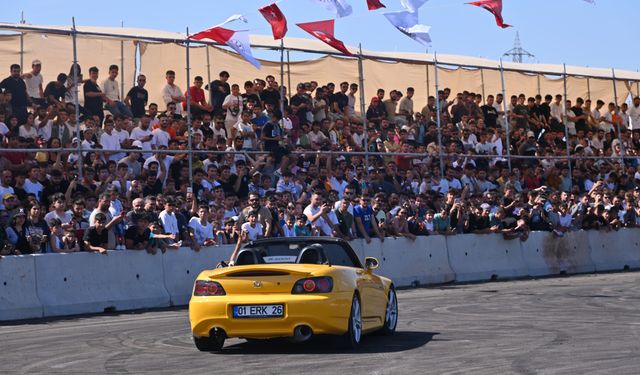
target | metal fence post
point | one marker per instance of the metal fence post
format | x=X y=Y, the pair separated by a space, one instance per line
x=615 y=100
x=189 y=134
x=506 y=119
x=440 y=151
x=76 y=99
x=362 y=108
x=566 y=131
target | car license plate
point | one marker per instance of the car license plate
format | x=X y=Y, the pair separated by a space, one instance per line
x=258 y=311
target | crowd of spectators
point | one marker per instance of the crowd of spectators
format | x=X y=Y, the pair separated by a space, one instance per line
x=258 y=171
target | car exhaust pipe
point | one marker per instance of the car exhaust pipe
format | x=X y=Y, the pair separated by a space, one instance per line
x=302 y=333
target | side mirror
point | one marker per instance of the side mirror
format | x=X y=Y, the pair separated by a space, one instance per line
x=371 y=263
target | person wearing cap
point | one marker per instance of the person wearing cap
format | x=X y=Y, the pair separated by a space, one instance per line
x=33 y=80
x=17 y=234
x=6 y=188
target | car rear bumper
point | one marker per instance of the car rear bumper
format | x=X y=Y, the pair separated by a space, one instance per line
x=324 y=314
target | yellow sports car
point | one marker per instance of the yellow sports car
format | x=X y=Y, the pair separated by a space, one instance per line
x=292 y=287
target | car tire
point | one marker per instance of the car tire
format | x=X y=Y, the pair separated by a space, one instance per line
x=352 y=338
x=391 y=313
x=209 y=344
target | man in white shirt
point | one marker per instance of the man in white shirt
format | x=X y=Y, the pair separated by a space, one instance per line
x=111 y=89
x=161 y=136
x=33 y=81
x=320 y=215
x=168 y=219
x=201 y=229
x=634 y=114
x=171 y=92
x=110 y=141
x=232 y=104
x=143 y=134
x=556 y=108
x=32 y=184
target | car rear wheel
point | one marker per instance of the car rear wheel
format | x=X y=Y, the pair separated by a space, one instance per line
x=391 y=314
x=210 y=344
x=354 y=334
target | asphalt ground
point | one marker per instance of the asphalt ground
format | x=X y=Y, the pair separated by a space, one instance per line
x=571 y=325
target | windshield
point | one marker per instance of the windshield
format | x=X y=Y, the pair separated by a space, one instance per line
x=288 y=252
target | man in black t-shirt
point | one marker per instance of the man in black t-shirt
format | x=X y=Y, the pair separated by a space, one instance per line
x=219 y=90
x=490 y=113
x=137 y=236
x=18 y=89
x=581 y=117
x=93 y=95
x=137 y=97
x=96 y=238
x=339 y=102
x=301 y=104
x=55 y=91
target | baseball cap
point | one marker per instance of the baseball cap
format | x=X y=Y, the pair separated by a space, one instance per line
x=36 y=62
x=8 y=196
x=137 y=144
x=485 y=206
x=530 y=134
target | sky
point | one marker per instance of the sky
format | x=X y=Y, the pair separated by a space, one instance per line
x=555 y=31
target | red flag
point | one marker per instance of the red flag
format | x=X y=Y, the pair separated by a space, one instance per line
x=375 y=4
x=493 y=6
x=276 y=18
x=323 y=30
x=219 y=34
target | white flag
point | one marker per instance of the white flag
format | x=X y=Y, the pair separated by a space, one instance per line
x=407 y=23
x=412 y=5
x=235 y=17
x=340 y=7
x=239 y=41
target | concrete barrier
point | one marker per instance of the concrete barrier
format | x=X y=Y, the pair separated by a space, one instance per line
x=18 y=294
x=615 y=251
x=546 y=254
x=478 y=257
x=181 y=267
x=82 y=283
x=67 y=284
x=412 y=263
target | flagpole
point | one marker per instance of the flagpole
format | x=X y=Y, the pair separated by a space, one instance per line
x=74 y=34
x=506 y=119
x=615 y=100
x=288 y=76
x=427 y=71
x=22 y=21
x=538 y=77
x=588 y=89
x=440 y=151
x=122 y=65
x=362 y=108
x=209 y=75
x=189 y=130
x=282 y=83
x=482 y=84
x=566 y=131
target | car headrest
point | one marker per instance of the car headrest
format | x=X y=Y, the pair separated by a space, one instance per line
x=312 y=254
x=246 y=257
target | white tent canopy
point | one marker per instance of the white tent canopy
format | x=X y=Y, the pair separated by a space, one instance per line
x=315 y=46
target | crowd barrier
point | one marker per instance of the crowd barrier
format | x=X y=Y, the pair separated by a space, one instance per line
x=35 y=286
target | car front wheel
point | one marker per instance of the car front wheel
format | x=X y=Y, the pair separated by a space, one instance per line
x=354 y=333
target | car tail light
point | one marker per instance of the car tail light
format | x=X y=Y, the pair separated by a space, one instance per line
x=205 y=288
x=313 y=285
